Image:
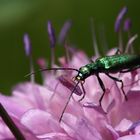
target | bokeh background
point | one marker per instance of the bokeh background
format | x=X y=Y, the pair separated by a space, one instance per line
x=20 y=16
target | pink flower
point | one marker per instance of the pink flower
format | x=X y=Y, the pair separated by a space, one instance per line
x=36 y=109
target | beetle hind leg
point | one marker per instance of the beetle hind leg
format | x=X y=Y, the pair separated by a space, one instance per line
x=122 y=85
x=129 y=70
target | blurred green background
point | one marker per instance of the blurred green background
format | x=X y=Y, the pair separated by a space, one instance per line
x=20 y=16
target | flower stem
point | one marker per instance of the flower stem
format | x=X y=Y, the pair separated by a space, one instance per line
x=67 y=52
x=11 y=125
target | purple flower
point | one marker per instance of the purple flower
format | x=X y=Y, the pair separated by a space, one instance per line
x=64 y=31
x=127 y=24
x=27 y=45
x=36 y=109
x=51 y=34
x=119 y=18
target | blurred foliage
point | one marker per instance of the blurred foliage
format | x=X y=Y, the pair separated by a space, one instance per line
x=20 y=16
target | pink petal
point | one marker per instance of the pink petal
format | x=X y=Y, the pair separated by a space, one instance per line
x=55 y=136
x=34 y=94
x=60 y=97
x=112 y=51
x=128 y=109
x=62 y=61
x=114 y=134
x=95 y=107
x=79 y=128
x=130 y=137
x=137 y=130
x=7 y=135
x=64 y=80
x=5 y=132
x=12 y=106
x=123 y=125
x=135 y=127
x=26 y=132
x=79 y=59
x=100 y=122
x=40 y=122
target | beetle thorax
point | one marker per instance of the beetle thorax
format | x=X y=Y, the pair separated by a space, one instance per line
x=83 y=73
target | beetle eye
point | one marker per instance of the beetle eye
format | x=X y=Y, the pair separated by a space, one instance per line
x=80 y=74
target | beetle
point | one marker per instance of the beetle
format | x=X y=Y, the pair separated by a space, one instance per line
x=109 y=64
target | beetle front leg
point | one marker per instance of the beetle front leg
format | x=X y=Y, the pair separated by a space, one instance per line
x=103 y=88
x=84 y=93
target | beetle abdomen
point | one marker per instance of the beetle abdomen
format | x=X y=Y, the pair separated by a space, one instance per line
x=117 y=63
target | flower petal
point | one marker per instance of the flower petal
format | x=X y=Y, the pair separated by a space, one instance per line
x=130 y=137
x=40 y=122
x=128 y=109
x=79 y=128
x=55 y=136
x=70 y=84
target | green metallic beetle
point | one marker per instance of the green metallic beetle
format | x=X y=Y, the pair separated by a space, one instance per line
x=109 y=64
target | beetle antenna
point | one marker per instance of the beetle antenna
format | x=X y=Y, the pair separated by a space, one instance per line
x=68 y=101
x=41 y=70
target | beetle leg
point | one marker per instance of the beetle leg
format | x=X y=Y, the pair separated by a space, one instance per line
x=129 y=70
x=84 y=93
x=91 y=61
x=118 y=80
x=125 y=71
x=103 y=88
x=118 y=51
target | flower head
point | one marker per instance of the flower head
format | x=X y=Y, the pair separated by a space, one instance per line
x=36 y=109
